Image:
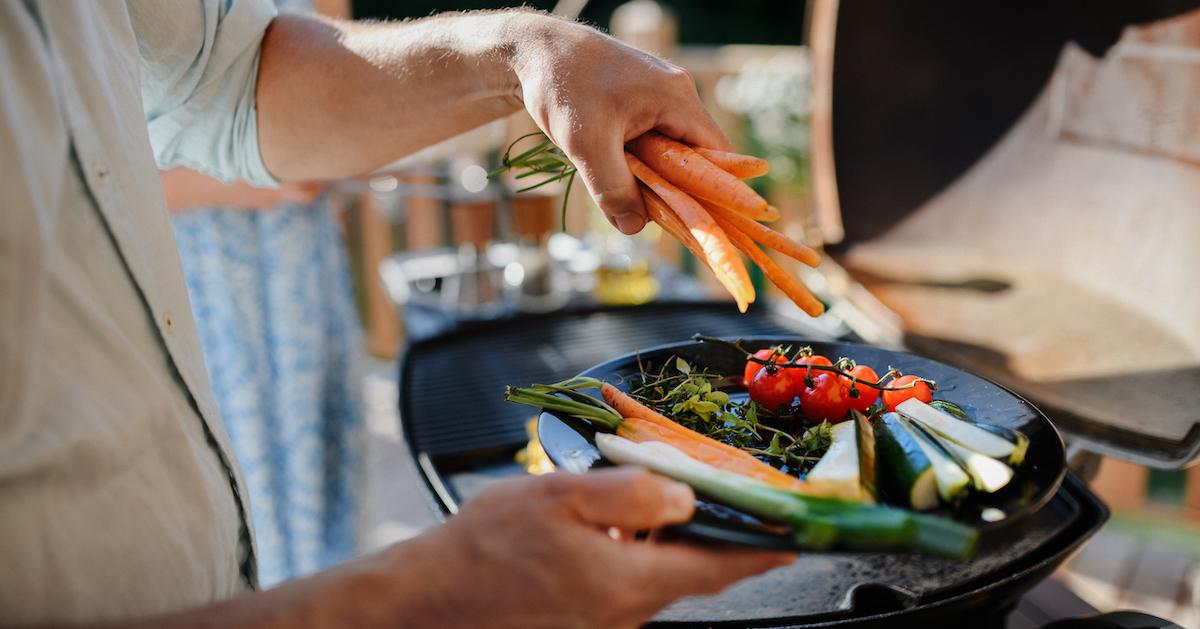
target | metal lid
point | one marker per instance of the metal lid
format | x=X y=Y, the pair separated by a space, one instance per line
x=1005 y=179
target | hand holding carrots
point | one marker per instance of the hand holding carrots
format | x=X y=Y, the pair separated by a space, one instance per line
x=696 y=196
x=692 y=196
x=591 y=94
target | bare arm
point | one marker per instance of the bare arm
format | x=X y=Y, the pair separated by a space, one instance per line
x=340 y=98
x=528 y=553
x=187 y=189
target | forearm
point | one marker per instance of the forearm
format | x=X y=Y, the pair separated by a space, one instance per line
x=343 y=98
x=339 y=98
x=187 y=189
x=403 y=586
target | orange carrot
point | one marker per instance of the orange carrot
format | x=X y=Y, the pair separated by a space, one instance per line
x=665 y=217
x=765 y=235
x=642 y=423
x=640 y=430
x=786 y=283
x=628 y=407
x=736 y=164
x=720 y=254
x=685 y=168
x=769 y=215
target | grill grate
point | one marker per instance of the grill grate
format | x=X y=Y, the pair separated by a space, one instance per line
x=451 y=385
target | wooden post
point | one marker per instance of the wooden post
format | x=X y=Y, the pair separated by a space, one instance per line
x=423 y=211
x=1121 y=484
x=1191 y=494
x=823 y=18
x=375 y=234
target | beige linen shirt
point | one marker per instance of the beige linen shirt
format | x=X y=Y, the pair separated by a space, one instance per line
x=119 y=495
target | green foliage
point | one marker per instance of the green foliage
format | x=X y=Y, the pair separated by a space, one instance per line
x=688 y=396
x=691 y=397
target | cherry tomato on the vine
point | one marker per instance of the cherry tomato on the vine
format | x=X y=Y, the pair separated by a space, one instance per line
x=920 y=391
x=753 y=367
x=772 y=388
x=816 y=360
x=827 y=398
x=866 y=395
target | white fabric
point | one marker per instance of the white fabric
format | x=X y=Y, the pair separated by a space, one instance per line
x=119 y=497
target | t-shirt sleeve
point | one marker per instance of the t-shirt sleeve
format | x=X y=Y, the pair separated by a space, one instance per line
x=199 y=69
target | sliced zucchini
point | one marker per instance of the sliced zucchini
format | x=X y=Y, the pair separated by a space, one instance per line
x=904 y=473
x=987 y=474
x=836 y=474
x=952 y=479
x=865 y=440
x=966 y=434
x=1015 y=436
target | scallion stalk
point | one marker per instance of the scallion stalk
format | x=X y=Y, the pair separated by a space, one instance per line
x=817 y=522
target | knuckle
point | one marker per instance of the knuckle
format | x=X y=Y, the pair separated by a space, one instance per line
x=681 y=76
x=576 y=145
x=615 y=200
x=555 y=488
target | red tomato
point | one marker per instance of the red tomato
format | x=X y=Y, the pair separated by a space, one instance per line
x=753 y=367
x=816 y=360
x=866 y=395
x=827 y=398
x=920 y=391
x=772 y=390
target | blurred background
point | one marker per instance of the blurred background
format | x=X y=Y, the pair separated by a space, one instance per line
x=1011 y=189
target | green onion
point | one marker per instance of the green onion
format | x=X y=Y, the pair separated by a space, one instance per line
x=817 y=522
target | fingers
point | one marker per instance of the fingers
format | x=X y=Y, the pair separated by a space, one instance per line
x=601 y=164
x=693 y=126
x=627 y=498
x=677 y=570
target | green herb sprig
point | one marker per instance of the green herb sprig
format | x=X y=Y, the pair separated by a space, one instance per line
x=545 y=158
x=689 y=396
x=798 y=454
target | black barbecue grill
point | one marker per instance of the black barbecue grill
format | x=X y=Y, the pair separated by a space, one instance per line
x=916 y=98
x=865 y=589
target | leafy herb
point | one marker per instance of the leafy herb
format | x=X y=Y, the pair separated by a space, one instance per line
x=688 y=396
x=543 y=159
x=691 y=396
x=798 y=454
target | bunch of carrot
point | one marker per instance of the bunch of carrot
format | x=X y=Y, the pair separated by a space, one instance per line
x=697 y=196
x=637 y=422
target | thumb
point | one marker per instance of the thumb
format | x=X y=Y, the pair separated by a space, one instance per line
x=629 y=498
x=601 y=165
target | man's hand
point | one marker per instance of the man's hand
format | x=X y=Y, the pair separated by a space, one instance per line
x=537 y=552
x=529 y=552
x=591 y=94
x=337 y=99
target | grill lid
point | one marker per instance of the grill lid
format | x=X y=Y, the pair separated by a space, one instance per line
x=1018 y=183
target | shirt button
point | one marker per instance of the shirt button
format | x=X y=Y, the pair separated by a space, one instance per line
x=168 y=322
x=101 y=174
